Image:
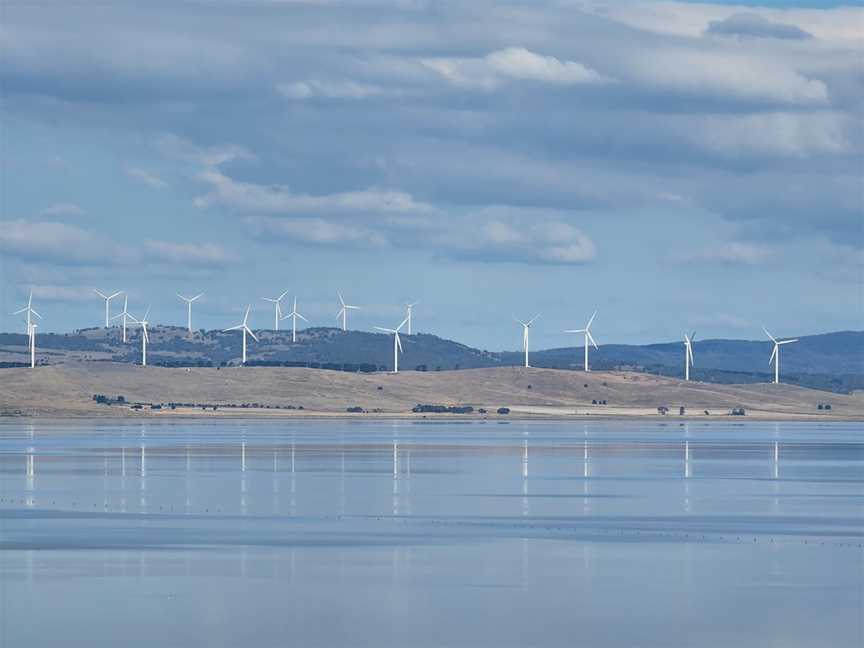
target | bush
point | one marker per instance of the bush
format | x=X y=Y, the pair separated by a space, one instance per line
x=503 y=410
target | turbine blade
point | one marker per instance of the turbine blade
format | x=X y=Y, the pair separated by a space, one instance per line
x=146 y=336
x=769 y=335
x=249 y=331
x=199 y=295
x=233 y=328
x=181 y=296
x=301 y=317
x=533 y=319
x=399 y=343
x=100 y=293
x=341 y=301
x=146 y=313
x=591 y=338
x=246 y=316
x=282 y=296
x=588 y=325
x=781 y=342
x=404 y=322
x=381 y=328
x=773 y=354
x=116 y=294
x=693 y=336
x=20 y=311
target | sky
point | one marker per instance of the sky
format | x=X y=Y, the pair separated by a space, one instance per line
x=673 y=165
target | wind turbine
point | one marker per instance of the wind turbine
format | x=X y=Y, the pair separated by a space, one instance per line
x=688 y=353
x=294 y=315
x=526 y=326
x=107 y=299
x=32 y=328
x=775 y=354
x=409 y=308
x=397 y=343
x=189 y=301
x=343 y=312
x=28 y=309
x=278 y=302
x=242 y=326
x=145 y=338
x=588 y=337
x=124 y=315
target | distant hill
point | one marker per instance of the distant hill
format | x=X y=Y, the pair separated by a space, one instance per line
x=831 y=361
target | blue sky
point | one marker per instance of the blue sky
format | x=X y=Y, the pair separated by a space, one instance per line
x=673 y=165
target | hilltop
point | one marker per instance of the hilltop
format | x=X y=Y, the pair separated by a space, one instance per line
x=68 y=390
x=831 y=361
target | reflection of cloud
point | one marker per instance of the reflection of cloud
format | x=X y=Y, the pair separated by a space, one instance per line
x=753 y=25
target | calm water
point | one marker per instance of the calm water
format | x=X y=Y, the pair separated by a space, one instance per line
x=274 y=533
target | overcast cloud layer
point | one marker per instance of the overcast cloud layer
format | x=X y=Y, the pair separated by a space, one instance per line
x=670 y=164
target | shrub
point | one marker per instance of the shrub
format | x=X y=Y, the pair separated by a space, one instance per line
x=503 y=410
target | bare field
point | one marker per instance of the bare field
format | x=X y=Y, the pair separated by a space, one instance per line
x=67 y=390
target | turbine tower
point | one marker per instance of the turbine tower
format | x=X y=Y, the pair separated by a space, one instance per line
x=278 y=302
x=688 y=353
x=588 y=338
x=775 y=354
x=343 y=312
x=294 y=315
x=145 y=337
x=526 y=326
x=397 y=343
x=33 y=345
x=28 y=310
x=409 y=309
x=242 y=326
x=107 y=299
x=189 y=301
x=124 y=315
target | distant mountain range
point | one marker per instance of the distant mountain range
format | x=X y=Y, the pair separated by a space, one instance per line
x=830 y=361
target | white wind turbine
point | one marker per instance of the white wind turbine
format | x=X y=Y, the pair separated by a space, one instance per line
x=145 y=337
x=294 y=315
x=409 y=310
x=242 y=326
x=526 y=326
x=107 y=299
x=397 y=343
x=688 y=353
x=278 y=302
x=28 y=310
x=588 y=337
x=775 y=354
x=125 y=314
x=343 y=312
x=189 y=301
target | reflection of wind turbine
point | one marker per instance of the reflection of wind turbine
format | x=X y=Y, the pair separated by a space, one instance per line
x=28 y=310
x=145 y=338
x=107 y=299
x=125 y=314
x=189 y=301
x=526 y=326
x=409 y=312
x=688 y=354
x=588 y=337
x=343 y=312
x=294 y=315
x=775 y=354
x=397 y=343
x=278 y=302
x=245 y=328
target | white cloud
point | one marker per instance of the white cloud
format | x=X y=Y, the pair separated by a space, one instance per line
x=62 y=293
x=57 y=242
x=726 y=74
x=63 y=209
x=278 y=199
x=146 y=177
x=514 y=64
x=731 y=253
x=313 y=88
x=189 y=254
x=752 y=25
x=319 y=231
x=208 y=156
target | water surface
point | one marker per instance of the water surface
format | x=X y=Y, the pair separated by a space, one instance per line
x=277 y=533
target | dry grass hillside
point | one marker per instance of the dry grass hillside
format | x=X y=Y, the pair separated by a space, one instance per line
x=67 y=390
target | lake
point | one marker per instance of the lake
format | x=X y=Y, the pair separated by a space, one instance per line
x=426 y=533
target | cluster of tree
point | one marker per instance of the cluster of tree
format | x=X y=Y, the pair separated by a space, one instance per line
x=442 y=409
x=102 y=399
